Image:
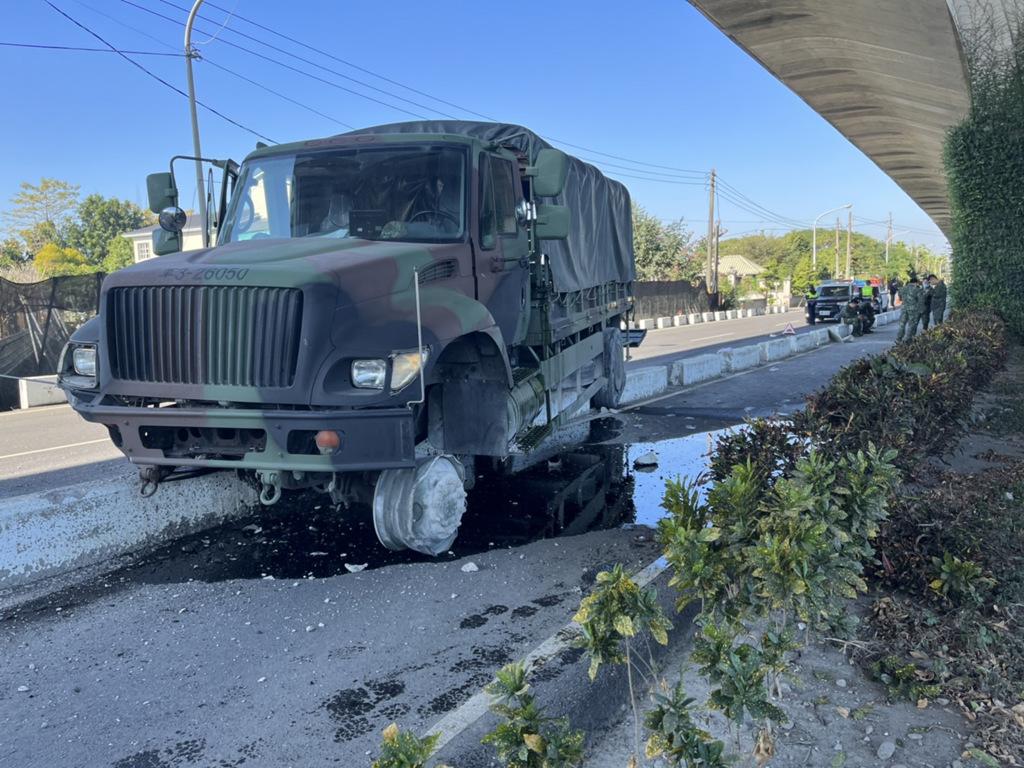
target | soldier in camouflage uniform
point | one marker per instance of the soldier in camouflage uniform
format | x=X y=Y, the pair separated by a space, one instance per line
x=852 y=316
x=926 y=303
x=939 y=293
x=913 y=304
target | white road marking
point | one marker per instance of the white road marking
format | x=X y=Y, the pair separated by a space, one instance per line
x=716 y=336
x=55 y=448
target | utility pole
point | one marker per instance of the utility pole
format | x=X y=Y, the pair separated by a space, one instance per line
x=197 y=150
x=888 y=238
x=849 y=251
x=712 y=275
x=835 y=274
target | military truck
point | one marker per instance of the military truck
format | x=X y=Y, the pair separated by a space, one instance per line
x=382 y=312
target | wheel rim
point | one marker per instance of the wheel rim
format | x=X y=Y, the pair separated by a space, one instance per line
x=420 y=509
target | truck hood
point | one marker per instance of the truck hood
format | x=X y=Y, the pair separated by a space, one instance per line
x=360 y=269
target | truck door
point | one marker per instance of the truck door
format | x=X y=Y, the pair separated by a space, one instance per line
x=502 y=264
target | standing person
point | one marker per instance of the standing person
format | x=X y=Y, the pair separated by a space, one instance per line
x=812 y=304
x=866 y=311
x=910 y=311
x=939 y=294
x=926 y=302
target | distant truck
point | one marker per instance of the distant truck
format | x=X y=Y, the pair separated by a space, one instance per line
x=382 y=311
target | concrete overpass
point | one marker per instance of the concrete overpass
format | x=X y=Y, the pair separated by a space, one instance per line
x=888 y=74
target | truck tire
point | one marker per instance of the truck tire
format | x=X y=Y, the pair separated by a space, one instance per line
x=614 y=367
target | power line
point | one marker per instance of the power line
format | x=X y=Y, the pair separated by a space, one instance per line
x=692 y=172
x=339 y=60
x=40 y=46
x=280 y=63
x=156 y=77
x=221 y=67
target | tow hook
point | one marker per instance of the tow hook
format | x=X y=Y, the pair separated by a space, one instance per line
x=270 y=492
x=151 y=477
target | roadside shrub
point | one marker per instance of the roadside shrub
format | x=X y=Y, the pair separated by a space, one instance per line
x=675 y=737
x=912 y=399
x=401 y=749
x=526 y=737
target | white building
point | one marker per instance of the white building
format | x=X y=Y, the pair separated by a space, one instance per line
x=143 y=240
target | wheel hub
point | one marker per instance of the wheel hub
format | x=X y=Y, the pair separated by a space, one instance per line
x=420 y=509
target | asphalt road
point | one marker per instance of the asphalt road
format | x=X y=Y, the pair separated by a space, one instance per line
x=253 y=643
x=51 y=447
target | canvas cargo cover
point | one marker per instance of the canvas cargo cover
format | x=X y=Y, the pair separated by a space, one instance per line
x=599 y=248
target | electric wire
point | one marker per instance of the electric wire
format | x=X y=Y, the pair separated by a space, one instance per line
x=83 y=49
x=155 y=76
x=295 y=41
x=221 y=67
x=303 y=72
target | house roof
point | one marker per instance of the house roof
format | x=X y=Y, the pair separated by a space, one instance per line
x=144 y=231
x=741 y=265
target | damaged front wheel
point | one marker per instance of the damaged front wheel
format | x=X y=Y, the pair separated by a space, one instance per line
x=420 y=509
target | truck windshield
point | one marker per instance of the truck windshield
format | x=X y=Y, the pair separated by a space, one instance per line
x=414 y=193
x=834 y=291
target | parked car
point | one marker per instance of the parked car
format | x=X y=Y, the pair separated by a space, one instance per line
x=832 y=297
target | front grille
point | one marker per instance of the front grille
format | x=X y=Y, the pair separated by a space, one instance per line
x=205 y=334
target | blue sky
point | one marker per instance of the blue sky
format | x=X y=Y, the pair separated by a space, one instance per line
x=657 y=84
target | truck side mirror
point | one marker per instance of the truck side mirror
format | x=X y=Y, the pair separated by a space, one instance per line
x=162 y=191
x=549 y=172
x=552 y=222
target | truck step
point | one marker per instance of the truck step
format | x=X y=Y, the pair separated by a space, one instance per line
x=534 y=435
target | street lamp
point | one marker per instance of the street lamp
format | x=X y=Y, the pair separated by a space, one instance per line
x=189 y=55
x=814 y=228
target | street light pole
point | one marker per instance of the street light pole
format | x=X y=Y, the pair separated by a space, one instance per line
x=196 y=149
x=814 y=235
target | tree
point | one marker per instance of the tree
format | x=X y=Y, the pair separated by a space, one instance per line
x=663 y=251
x=53 y=261
x=11 y=253
x=101 y=220
x=42 y=212
x=120 y=254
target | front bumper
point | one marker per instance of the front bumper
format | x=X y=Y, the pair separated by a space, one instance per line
x=371 y=439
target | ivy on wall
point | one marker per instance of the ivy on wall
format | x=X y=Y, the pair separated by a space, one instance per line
x=984 y=158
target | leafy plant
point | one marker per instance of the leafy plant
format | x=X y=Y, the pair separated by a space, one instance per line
x=615 y=612
x=675 y=737
x=903 y=681
x=526 y=737
x=401 y=749
x=960 y=580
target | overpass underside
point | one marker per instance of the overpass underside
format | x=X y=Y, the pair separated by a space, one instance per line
x=888 y=74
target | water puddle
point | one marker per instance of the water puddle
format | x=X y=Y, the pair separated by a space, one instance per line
x=563 y=492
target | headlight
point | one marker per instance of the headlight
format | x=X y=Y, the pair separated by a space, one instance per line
x=405 y=366
x=84 y=361
x=369 y=374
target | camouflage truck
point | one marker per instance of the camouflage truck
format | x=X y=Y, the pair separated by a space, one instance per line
x=384 y=312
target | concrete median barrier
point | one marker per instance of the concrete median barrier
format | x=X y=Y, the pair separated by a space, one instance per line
x=44 y=534
x=776 y=349
x=642 y=383
x=693 y=370
x=740 y=358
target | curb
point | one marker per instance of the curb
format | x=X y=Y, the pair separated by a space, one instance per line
x=651 y=381
x=49 y=533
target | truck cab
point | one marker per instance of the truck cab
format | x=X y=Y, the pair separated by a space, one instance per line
x=379 y=312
